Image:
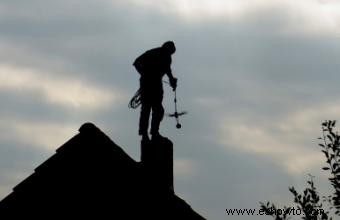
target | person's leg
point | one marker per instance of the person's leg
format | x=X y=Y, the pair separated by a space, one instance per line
x=145 y=107
x=157 y=117
x=144 y=119
x=157 y=108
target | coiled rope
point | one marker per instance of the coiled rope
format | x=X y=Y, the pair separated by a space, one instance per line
x=135 y=100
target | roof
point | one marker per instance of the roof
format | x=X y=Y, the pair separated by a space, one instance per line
x=92 y=176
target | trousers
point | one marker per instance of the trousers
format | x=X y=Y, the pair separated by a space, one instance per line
x=151 y=101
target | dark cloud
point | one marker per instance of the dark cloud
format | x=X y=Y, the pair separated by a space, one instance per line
x=248 y=69
x=30 y=106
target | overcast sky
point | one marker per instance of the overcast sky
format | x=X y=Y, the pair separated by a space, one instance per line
x=256 y=76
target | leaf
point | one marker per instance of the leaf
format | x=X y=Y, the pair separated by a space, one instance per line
x=333 y=123
x=332 y=133
x=326 y=153
x=330 y=138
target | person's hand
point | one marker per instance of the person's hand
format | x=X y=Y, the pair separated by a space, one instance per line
x=173 y=83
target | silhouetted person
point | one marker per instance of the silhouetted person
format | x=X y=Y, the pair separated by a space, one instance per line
x=152 y=66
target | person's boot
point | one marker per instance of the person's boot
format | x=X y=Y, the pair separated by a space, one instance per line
x=156 y=136
x=145 y=137
x=144 y=134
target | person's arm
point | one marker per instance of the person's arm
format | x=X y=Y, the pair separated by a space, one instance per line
x=172 y=80
x=168 y=71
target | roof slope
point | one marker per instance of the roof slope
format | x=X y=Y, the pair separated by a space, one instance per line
x=91 y=176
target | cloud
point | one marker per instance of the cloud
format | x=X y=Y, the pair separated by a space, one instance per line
x=305 y=16
x=39 y=135
x=68 y=92
x=43 y=135
x=265 y=69
x=283 y=139
x=185 y=168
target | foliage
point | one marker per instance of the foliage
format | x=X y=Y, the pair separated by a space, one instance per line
x=309 y=201
x=331 y=149
x=270 y=209
x=308 y=204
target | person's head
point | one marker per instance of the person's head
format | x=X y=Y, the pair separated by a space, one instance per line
x=169 y=46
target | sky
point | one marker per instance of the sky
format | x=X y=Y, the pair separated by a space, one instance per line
x=258 y=77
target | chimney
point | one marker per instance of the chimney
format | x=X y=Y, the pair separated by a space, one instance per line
x=157 y=158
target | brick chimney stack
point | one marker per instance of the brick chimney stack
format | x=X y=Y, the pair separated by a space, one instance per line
x=157 y=158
